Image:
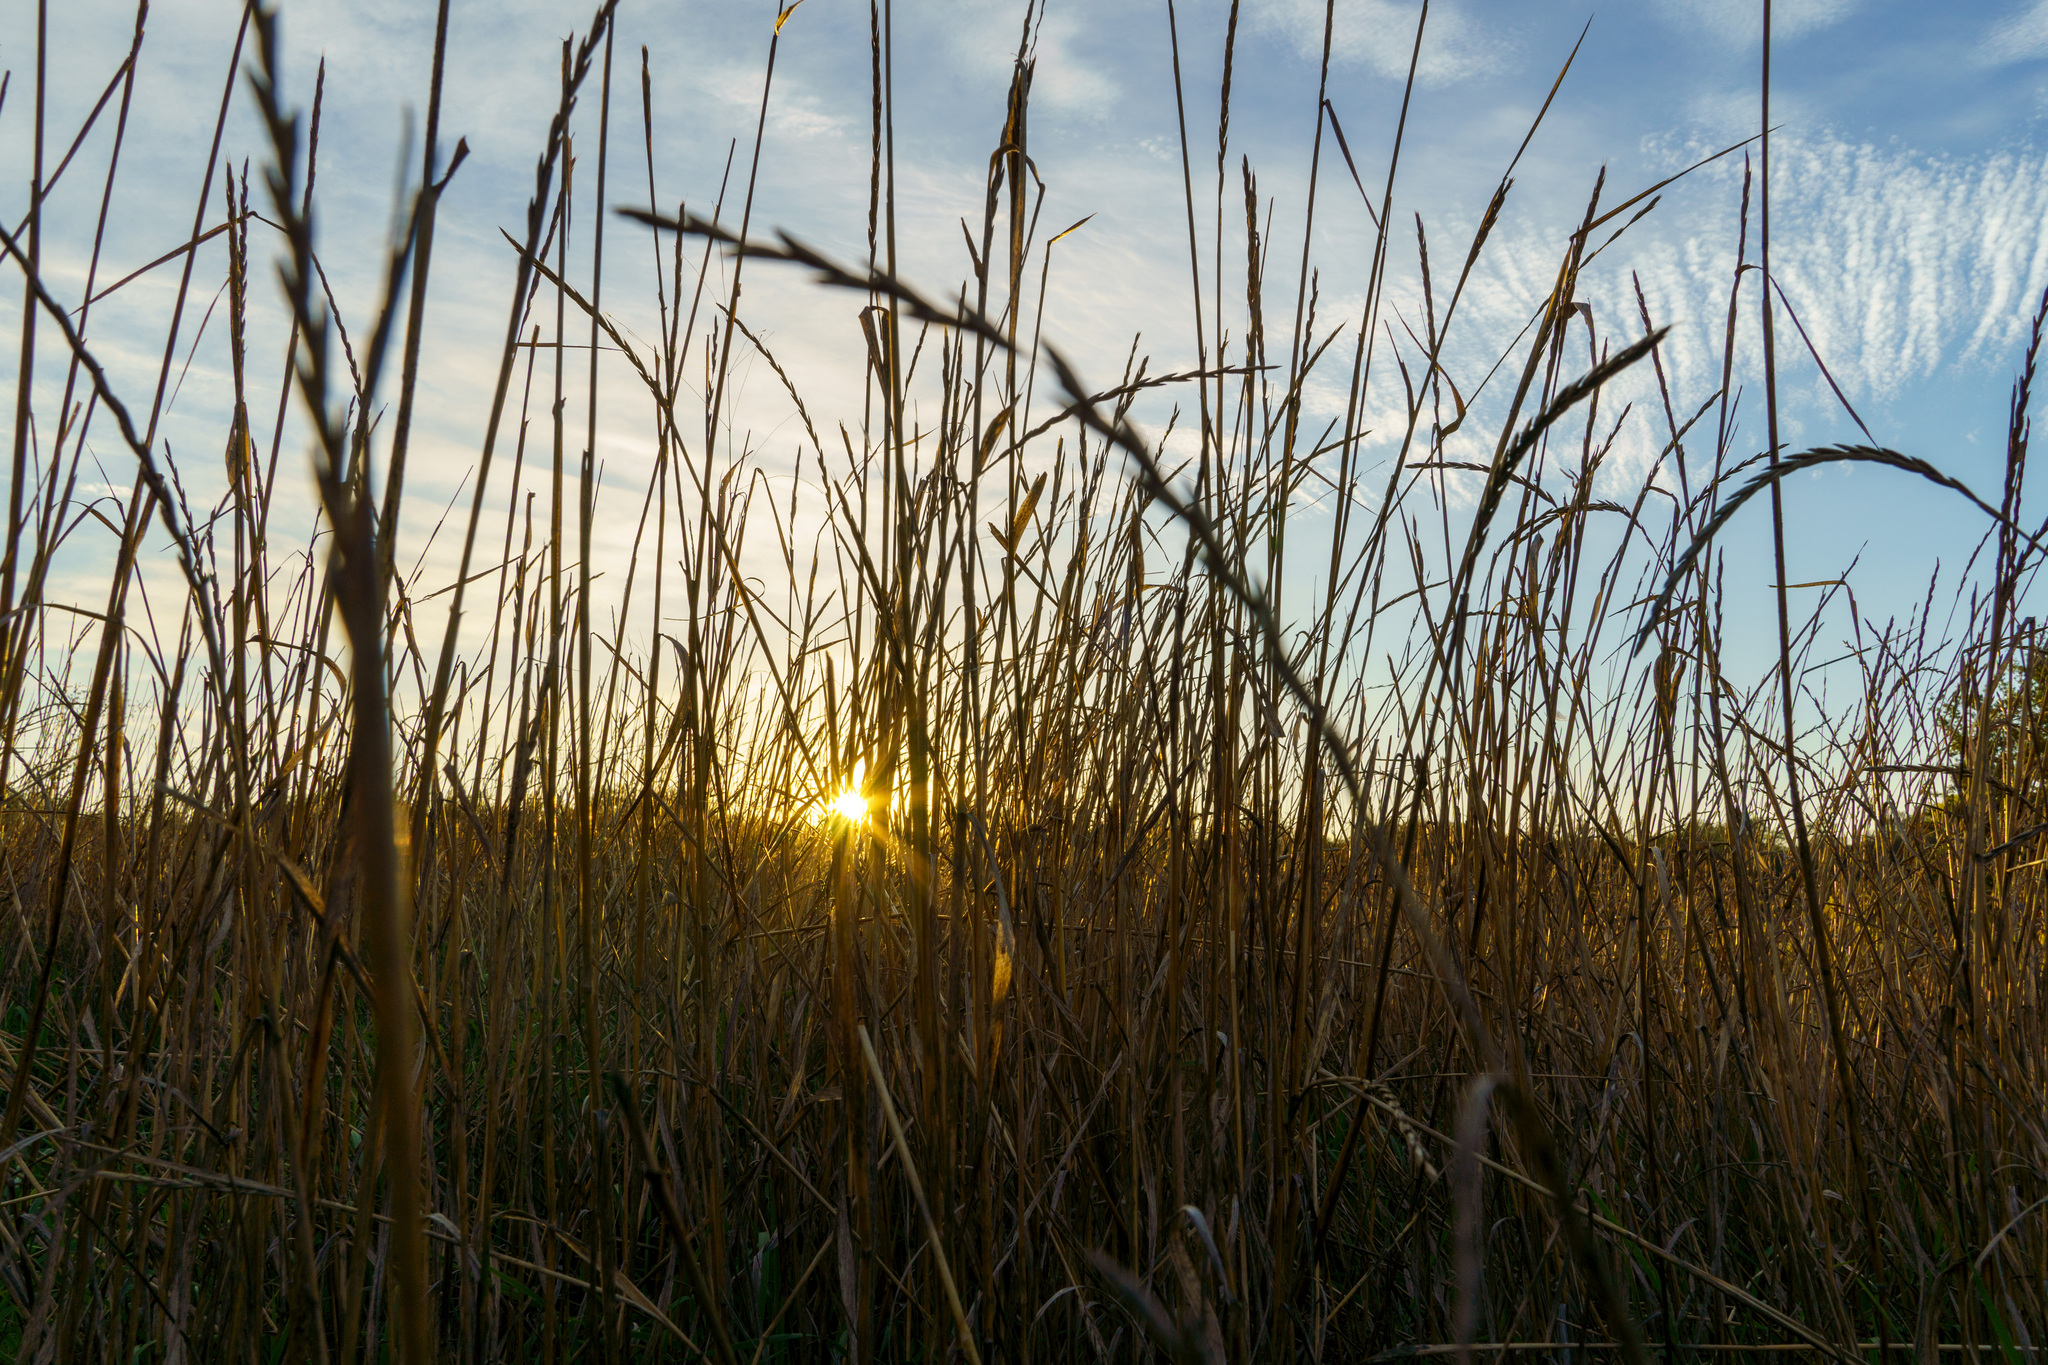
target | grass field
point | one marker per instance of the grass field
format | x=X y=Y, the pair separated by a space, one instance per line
x=1031 y=932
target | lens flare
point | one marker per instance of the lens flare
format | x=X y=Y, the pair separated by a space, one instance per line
x=850 y=806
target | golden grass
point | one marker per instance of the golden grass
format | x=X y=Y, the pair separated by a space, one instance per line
x=1017 y=939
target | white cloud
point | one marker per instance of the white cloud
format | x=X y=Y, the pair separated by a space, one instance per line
x=983 y=36
x=1061 y=77
x=2019 y=37
x=1906 y=270
x=1742 y=24
x=1380 y=35
x=792 y=112
x=1901 y=264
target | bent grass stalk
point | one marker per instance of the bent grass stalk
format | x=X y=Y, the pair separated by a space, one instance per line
x=1047 y=927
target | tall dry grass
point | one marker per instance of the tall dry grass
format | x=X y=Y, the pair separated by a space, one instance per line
x=1188 y=990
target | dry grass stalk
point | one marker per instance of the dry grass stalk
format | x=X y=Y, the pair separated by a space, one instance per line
x=1045 y=927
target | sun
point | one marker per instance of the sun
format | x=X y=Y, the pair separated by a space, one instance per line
x=851 y=803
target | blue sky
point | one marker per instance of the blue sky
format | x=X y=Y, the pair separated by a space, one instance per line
x=1911 y=193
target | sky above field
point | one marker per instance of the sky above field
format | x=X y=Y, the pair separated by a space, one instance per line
x=1910 y=190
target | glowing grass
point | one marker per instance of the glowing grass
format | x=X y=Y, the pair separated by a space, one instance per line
x=1017 y=936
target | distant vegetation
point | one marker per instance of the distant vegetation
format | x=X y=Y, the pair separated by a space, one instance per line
x=1066 y=919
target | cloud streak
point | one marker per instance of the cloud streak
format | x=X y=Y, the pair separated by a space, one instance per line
x=1379 y=35
x=1740 y=25
x=1904 y=269
x=2019 y=37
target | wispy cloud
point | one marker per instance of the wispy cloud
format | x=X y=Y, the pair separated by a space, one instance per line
x=1739 y=24
x=1067 y=77
x=792 y=113
x=1902 y=265
x=2020 y=37
x=1905 y=270
x=1380 y=35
